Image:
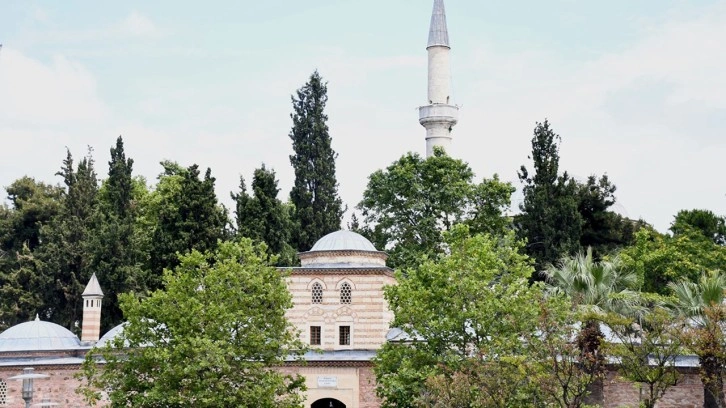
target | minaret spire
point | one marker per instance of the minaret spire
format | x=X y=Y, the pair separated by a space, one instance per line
x=439 y=116
x=438 y=33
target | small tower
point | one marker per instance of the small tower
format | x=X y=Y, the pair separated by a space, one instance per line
x=439 y=116
x=91 y=326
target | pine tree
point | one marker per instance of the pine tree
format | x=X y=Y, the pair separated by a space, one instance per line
x=263 y=217
x=318 y=209
x=549 y=220
x=188 y=217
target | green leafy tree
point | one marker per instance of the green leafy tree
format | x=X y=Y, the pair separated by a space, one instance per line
x=318 y=210
x=466 y=311
x=706 y=222
x=66 y=252
x=211 y=338
x=117 y=246
x=550 y=220
x=659 y=259
x=647 y=349
x=409 y=205
x=263 y=217
x=186 y=216
x=701 y=303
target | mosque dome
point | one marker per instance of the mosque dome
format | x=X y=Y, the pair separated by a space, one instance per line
x=110 y=335
x=343 y=249
x=343 y=241
x=38 y=335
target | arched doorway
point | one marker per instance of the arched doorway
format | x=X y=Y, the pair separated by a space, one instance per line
x=327 y=403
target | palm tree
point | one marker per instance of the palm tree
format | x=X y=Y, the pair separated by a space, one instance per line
x=702 y=304
x=596 y=288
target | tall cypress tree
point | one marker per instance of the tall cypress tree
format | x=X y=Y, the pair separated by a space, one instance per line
x=262 y=216
x=318 y=209
x=550 y=220
x=117 y=254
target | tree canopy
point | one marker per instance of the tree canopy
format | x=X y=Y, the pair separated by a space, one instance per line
x=408 y=206
x=318 y=210
x=208 y=339
x=465 y=311
x=263 y=217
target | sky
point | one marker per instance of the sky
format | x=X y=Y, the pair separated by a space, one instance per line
x=636 y=89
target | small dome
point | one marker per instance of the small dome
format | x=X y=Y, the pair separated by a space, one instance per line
x=38 y=336
x=343 y=241
x=110 y=335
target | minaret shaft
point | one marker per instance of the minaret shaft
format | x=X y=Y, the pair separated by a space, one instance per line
x=439 y=74
x=439 y=116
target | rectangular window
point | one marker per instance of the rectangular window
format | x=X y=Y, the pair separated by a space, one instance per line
x=314 y=335
x=344 y=335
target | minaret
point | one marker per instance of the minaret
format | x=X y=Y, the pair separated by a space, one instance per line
x=439 y=116
x=91 y=326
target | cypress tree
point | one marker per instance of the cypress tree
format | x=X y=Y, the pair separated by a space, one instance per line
x=317 y=208
x=550 y=220
x=117 y=253
x=262 y=216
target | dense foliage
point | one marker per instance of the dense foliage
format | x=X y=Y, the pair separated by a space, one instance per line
x=207 y=340
x=465 y=312
x=549 y=220
x=263 y=217
x=317 y=208
x=408 y=206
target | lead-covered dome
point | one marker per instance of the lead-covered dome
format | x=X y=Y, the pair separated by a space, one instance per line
x=38 y=336
x=343 y=249
x=343 y=241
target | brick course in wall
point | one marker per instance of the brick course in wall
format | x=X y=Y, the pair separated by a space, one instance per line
x=59 y=387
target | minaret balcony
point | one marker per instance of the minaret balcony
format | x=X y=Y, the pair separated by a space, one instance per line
x=438 y=112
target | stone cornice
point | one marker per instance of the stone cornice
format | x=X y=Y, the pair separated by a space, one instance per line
x=343 y=252
x=341 y=271
x=340 y=363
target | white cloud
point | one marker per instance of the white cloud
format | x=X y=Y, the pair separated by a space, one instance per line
x=36 y=94
x=137 y=25
x=651 y=115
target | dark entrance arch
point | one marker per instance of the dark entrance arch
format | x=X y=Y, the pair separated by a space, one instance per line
x=327 y=403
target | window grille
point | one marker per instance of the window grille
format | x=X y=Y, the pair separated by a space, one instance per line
x=3 y=393
x=317 y=293
x=344 y=335
x=315 y=335
x=345 y=294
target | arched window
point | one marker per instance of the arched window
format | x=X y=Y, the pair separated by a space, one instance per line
x=345 y=296
x=317 y=293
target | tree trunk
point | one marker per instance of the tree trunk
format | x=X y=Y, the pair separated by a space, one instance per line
x=712 y=378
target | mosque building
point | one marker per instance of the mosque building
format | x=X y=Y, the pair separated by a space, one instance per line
x=338 y=303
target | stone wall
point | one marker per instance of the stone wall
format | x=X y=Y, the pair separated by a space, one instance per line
x=60 y=387
x=367 y=314
x=353 y=385
x=688 y=393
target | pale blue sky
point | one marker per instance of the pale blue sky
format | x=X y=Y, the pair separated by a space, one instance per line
x=635 y=88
